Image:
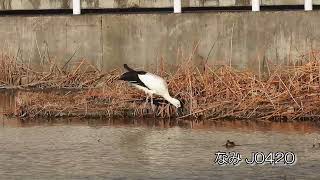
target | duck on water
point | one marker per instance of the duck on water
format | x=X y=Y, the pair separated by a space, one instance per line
x=150 y=84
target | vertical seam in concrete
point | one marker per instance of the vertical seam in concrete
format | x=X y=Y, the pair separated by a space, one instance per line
x=101 y=43
x=66 y=49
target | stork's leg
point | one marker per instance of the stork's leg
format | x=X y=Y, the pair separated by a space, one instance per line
x=145 y=104
x=147 y=97
x=152 y=105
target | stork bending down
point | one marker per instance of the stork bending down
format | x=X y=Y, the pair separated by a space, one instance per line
x=150 y=84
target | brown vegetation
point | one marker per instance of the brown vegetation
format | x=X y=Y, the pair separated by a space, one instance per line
x=286 y=93
x=16 y=75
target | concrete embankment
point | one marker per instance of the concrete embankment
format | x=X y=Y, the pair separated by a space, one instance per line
x=242 y=39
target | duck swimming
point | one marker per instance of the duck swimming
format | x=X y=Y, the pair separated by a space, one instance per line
x=230 y=144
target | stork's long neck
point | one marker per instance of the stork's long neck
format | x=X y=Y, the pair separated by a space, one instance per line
x=170 y=99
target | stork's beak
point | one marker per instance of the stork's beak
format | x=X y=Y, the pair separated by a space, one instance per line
x=180 y=111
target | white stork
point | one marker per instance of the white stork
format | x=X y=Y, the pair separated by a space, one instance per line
x=150 y=84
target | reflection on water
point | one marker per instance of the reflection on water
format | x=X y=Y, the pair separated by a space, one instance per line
x=144 y=149
x=6 y=101
x=150 y=149
x=7 y=105
x=221 y=125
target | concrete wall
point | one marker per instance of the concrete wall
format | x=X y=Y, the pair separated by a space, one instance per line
x=242 y=39
x=55 y=4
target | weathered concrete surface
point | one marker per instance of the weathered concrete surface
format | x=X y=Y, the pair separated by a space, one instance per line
x=58 y=37
x=141 y=39
x=56 y=4
x=243 y=40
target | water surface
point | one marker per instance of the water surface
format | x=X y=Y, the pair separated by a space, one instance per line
x=149 y=149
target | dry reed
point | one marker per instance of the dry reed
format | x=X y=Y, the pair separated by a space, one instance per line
x=286 y=93
x=16 y=75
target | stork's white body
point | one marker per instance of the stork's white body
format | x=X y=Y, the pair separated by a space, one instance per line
x=156 y=85
x=149 y=83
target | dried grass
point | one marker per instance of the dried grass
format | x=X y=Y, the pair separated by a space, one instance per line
x=16 y=75
x=285 y=93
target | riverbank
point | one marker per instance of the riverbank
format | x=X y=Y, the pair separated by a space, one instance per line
x=282 y=93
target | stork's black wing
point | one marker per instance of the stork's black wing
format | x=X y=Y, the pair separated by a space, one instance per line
x=132 y=77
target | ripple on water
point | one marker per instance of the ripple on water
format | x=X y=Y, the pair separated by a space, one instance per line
x=140 y=150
